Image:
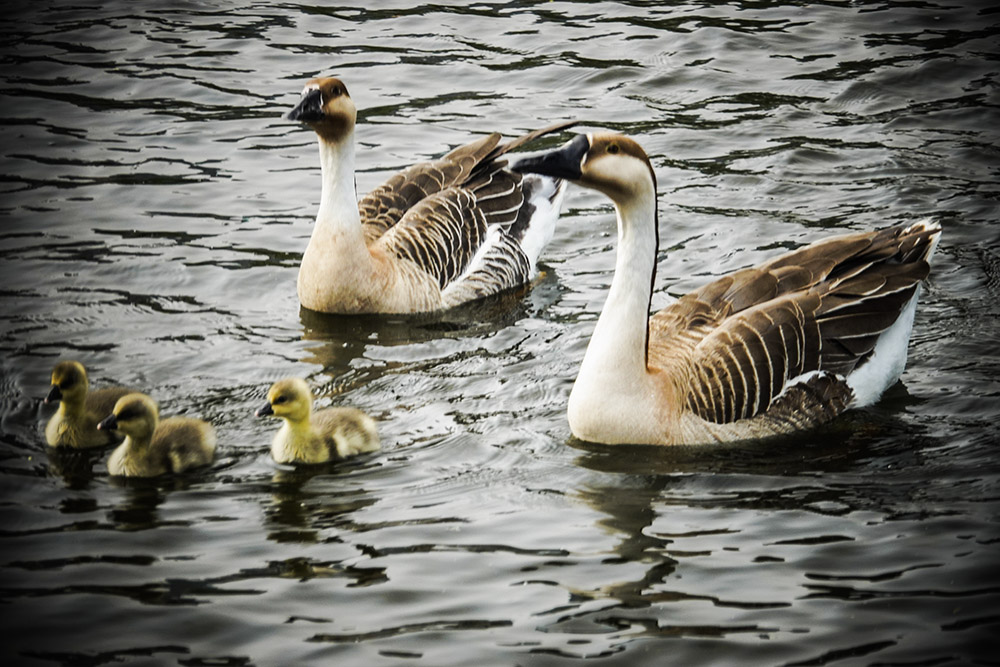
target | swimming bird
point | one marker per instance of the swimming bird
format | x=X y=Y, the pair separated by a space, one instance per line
x=315 y=437
x=153 y=447
x=768 y=350
x=75 y=422
x=433 y=236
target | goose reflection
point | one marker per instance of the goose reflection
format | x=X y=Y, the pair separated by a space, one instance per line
x=337 y=340
x=635 y=488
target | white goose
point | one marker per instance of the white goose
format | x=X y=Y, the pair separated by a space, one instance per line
x=434 y=236
x=767 y=350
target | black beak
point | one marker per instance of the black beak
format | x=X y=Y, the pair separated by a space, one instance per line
x=563 y=162
x=309 y=109
x=110 y=423
x=264 y=410
x=54 y=395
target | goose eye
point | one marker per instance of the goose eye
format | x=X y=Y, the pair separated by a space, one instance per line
x=279 y=400
x=613 y=148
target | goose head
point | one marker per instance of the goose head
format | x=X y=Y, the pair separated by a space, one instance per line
x=135 y=415
x=608 y=162
x=327 y=108
x=69 y=383
x=288 y=399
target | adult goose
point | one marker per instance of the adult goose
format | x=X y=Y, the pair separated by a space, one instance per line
x=768 y=350
x=435 y=235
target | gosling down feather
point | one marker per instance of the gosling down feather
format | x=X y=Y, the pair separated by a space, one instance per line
x=153 y=447
x=773 y=349
x=315 y=437
x=75 y=422
x=435 y=235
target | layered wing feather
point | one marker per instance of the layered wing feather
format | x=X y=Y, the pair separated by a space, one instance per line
x=459 y=219
x=386 y=205
x=748 y=338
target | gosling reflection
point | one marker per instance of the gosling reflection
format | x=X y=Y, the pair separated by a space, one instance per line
x=74 y=466
x=307 y=500
x=343 y=338
x=138 y=507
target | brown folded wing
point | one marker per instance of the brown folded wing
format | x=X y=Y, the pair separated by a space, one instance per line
x=742 y=338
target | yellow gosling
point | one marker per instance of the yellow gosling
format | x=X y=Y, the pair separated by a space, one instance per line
x=75 y=422
x=315 y=437
x=153 y=447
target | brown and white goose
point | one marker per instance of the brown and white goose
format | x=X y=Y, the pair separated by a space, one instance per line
x=768 y=350
x=435 y=235
x=75 y=422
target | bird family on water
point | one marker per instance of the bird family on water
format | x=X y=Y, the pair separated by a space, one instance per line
x=772 y=349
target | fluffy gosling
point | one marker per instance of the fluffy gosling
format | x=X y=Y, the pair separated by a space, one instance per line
x=315 y=437
x=153 y=447
x=75 y=423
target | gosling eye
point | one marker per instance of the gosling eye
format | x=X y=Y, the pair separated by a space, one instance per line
x=335 y=91
x=127 y=414
x=279 y=400
x=66 y=384
x=613 y=148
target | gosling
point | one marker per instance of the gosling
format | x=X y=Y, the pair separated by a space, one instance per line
x=307 y=437
x=75 y=422
x=153 y=447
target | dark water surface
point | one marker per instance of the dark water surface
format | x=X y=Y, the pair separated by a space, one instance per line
x=154 y=207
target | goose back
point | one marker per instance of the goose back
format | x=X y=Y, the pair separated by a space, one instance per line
x=463 y=219
x=804 y=319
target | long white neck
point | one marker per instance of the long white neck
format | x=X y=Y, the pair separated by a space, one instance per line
x=618 y=346
x=336 y=270
x=613 y=396
x=338 y=207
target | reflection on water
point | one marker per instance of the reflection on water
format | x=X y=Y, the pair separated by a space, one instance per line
x=155 y=206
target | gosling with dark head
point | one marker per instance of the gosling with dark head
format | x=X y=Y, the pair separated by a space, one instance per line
x=153 y=447
x=315 y=437
x=75 y=423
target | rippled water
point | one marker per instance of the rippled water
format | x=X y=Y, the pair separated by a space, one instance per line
x=154 y=208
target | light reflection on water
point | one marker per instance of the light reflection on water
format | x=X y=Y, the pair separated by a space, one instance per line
x=155 y=208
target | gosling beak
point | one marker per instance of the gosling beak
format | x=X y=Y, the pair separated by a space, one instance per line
x=563 y=162
x=54 y=395
x=309 y=109
x=109 y=423
x=264 y=410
